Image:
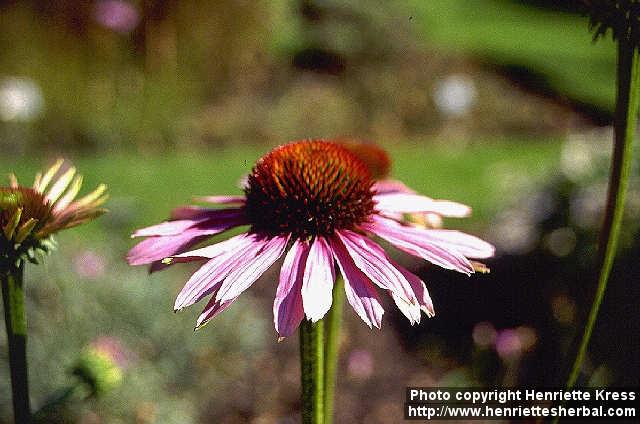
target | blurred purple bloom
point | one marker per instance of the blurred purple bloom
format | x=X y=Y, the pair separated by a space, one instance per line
x=89 y=265
x=360 y=364
x=117 y=15
x=112 y=348
x=508 y=344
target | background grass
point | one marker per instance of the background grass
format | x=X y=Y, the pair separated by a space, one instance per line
x=554 y=47
x=143 y=190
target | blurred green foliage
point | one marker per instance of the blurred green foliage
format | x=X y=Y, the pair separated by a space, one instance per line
x=557 y=47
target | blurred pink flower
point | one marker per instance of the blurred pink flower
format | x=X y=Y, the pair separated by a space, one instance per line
x=117 y=15
x=89 y=265
x=360 y=364
x=319 y=202
x=112 y=348
x=513 y=342
x=508 y=344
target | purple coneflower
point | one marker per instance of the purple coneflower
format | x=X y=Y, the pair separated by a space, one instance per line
x=317 y=201
x=30 y=215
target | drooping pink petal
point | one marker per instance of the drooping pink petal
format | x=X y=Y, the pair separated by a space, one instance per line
x=222 y=200
x=188 y=212
x=157 y=248
x=242 y=277
x=404 y=238
x=319 y=276
x=211 y=251
x=411 y=311
x=207 y=221
x=390 y=186
x=287 y=306
x=468 y=245
x=370 y=258
x=238 y=253
x=414 y=203
x=212 y=309
x=420 y=290
x=361 y=294
x=167 y=228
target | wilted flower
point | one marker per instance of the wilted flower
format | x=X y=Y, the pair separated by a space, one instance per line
x=319 y=202
x=29 y=216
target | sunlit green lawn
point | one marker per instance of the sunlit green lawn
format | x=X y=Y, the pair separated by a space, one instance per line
x=557 y=47
x=144 y=188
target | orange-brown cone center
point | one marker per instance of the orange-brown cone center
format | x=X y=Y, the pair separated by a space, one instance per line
x=308 y=188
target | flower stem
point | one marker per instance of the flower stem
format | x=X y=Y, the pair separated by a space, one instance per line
x=312 y=371
x=332 y=348
x=628 y=96
x=16 y=323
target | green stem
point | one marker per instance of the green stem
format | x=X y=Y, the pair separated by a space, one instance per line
x=312 y=371
x=332 y=348
x=16 y=323
x=61 y=399
x=628 y=96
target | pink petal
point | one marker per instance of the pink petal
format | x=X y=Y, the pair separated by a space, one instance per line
x=198 y=212
x=411 y=311
x=374 y=263
x=420 y=290
x=390 y=186
x=222 y=200
x=168 y=228
x=287 y=306
x=211 y=251
x=319 y=276
x=414 y=203
x=207 y=221
x=361 y=294
x=242 y=277
x=157 y=248
x=212 y=309
x=238 y=252
x=468 y=245
x=406 y=239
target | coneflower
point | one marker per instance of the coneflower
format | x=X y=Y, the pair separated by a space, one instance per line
x=317 y=202
x=29 y=216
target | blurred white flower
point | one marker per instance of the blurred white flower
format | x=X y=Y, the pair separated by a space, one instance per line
x=587 y=206
x=20 y=99
x=455 y=95
x=583 y=154
x=515 y=232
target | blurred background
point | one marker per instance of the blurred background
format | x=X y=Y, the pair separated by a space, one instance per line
x=504 y=105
